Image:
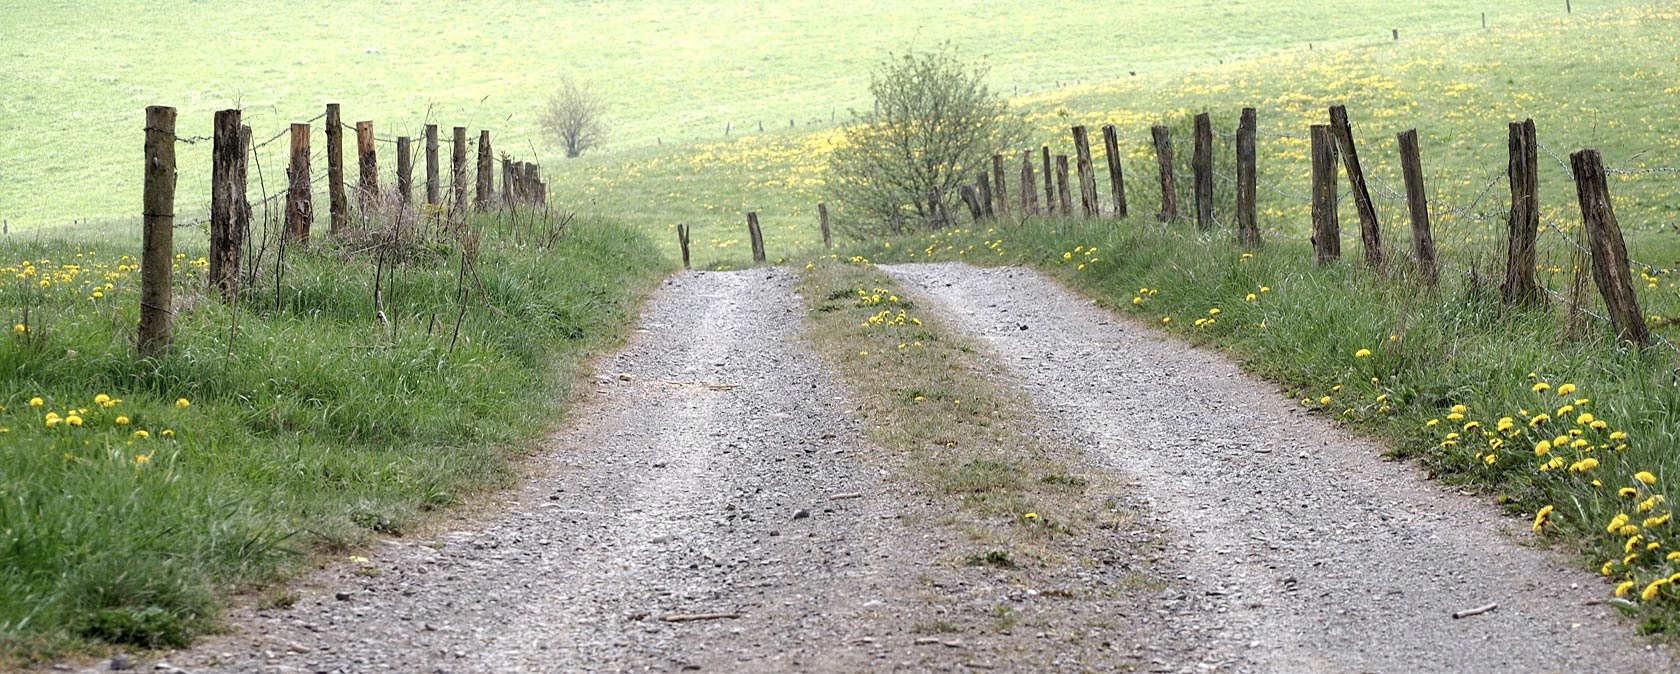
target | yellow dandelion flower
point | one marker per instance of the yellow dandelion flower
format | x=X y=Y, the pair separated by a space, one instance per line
x=142 y=434
x=37 y=402
x=1618 y=436
x=1432 y=423
x=182 y=403
x=101 y=399
x=1541 y=517
x=1565 y=389
x=1459 y=409
x=1539 y=419
x=1616 y=523
x=1540 y=386
x=1542 y=447
x=1585 y=419
x=167 y=433
x=1627 y=492
x=1650 y=591
x=1623 y=588
x=1362 y=353
x=1583 y=465
x=1506 y=423
x=120 y=421
x=1656 y=521
x=1645 y=476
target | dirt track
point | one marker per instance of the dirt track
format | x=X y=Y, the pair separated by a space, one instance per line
x=700 y=482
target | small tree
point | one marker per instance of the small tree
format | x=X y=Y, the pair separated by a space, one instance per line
x=575 y=117
x=935 y=123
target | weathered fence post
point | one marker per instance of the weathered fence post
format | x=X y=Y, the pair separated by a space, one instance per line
x=405 y=170
x=486 y=167
x=229 y=215
x=1064 y=193
x=534 y=188
x=1248 y=229
x=682 y=240
x=368 y=186
x=1049 y=181
x=1609 y=251
x=507 y=182
x=158 y=246
x=1029 y=186
x=1169 y=184
x=1523 y=228
x=300 y=206
x=1327 y=229
x=517 y=181
x=1369 y=233
x=983 y=190
x=1417 y=204
x=1000 y=189
x=972 y=199
x=1201 y=163
x=458 y=172
x=1087 y=172
x=1116 y=180
x=337 y=203
x=822 y=220
x=433 y=193
x=757 y=237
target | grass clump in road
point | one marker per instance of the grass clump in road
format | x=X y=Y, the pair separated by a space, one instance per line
x=1575 y=433
x=300 y=420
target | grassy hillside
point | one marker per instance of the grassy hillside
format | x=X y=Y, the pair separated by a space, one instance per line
x=79 y=75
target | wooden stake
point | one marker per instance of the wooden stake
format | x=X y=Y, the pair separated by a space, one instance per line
x=405 y=170
x=1609 y=251
x=1087 y=172
x=300 y=206
x=1523 y=228
x=983 y=193
x=1049 y=181
x=1000 y=186
x=1417 y=204
x=229 y=214
x=1327 y=230
x=1169 y=183
x=1029 y=186
x=1201 y=163
x=158 y=247
x=971 y=198
x=757 y=237
x=822 y=219
x=1064 y=194
x=1116 y=181
x=1248 y=228
x=368 y=187
x=486 y=167
x=337 y=202
x=458 y=173
x=682 y=240
x=1369 y=232
x=433 y=193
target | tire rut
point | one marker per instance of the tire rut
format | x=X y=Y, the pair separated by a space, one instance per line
x=1318 y=555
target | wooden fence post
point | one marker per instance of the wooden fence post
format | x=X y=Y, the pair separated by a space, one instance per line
x=1201 y=164
x=458 y=172
x=682 y=240
x=405 y=170
x=433 y=193
x=300 y=206
x=1417 y=204
x=1087 y=172
x=1369 y=232
x=757 y=237
x=1064 y=194
x=507 y=182
x=1116 y=180
x=1248 y=229
x=486 y=167
x=1609 y=251
x=1049 y=181
x=1327 y=229
x=158 y=246
x=972 y=199
x=983 y=192
x=941 y=214
x=1000 y=189
x=1523 y=228
x=1029 y=186
x=533 y=183
x=1169 y=184
x=822 y=219
x=337 y=203
x=229 y=214
x=517 y=181
x=368 y=186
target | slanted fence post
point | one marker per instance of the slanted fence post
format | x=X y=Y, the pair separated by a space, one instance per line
x=1417 y=205
x=1248 y=229
x=1327 y=229
x=682 y=240
x=1169 y=184
x=1201 y=163
x=757 y=237
x=1609 y=250
x=1116 y=180
x=1087 y=172
x=1523 y=228
x=229 y=214
x=158 y=246
x=971 y=198
x=1369 y=233
x=822 y=220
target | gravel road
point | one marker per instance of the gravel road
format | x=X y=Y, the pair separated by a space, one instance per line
x=712 y=506
x=1323 y=556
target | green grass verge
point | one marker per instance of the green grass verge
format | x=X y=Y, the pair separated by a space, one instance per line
x=292 y=423
x=1387 y=357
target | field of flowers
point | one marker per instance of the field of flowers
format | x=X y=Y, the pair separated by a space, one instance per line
x=297 y=421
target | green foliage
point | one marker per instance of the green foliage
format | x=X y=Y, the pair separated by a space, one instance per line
x=934 y=124
x=292 y=422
